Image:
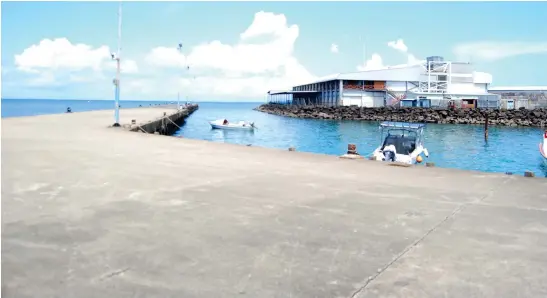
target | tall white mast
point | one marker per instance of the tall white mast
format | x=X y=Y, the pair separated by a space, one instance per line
x=187 y=69
x=117 y=57
x=364 y=66
x=365 y=52
x=178 y=94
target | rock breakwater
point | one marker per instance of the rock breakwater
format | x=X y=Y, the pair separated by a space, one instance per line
x=520 y=117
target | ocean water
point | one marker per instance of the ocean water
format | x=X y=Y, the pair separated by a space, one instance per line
x=33 y=107
x=509 y=149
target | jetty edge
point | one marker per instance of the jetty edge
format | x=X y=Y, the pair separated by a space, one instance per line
x=167 y=124
x=91 y=211
x=520 y=117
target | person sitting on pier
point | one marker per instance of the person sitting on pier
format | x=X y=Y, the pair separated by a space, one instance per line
x=225 y=122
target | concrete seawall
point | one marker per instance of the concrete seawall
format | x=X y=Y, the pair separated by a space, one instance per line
x=166 y=124
x=536 y=117
x=90 y=210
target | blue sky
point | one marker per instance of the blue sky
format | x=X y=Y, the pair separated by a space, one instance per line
x=506 y=39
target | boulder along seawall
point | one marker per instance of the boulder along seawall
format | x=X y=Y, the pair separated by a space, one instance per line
x=520 y=117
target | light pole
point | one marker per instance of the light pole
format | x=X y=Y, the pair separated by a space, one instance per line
x=117 y=58
x=187 y=68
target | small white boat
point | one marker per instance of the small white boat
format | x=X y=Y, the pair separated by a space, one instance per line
x=225 y=124
x=403 y=143
x=543 y=146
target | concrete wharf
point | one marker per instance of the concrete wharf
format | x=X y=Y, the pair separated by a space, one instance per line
x=94 y=211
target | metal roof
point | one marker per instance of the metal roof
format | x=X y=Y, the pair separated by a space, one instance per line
x=395 y=73
x=406 y=125
x=272 y=92
x=518 y=88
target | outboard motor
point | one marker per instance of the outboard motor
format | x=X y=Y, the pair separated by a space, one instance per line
x=389 y=155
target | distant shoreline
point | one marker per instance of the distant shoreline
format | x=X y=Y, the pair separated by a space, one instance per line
x=525 y=118
x=134 y=100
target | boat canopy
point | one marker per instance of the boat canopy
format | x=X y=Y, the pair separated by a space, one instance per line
x=403 y=125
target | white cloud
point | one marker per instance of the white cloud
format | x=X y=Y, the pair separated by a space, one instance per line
x=399 y=45
x=376 y=61
x=334 y=48
x=57 y=62
x=261 y=60
x=248 y=68
x=166 y=57
x=60 y=53
x=491 y=50
x=44 y=79
x=412 y=60
x=129 y=66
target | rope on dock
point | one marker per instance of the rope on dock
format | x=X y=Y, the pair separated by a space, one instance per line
x=142 y=129
x=173 y=122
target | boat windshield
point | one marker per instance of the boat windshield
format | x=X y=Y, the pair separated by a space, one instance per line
x=404 y=143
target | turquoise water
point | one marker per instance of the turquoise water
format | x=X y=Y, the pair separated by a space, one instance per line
x=454 y=146
x=508 y=149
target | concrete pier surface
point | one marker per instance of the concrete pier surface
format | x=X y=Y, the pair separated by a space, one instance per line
x=91 y=211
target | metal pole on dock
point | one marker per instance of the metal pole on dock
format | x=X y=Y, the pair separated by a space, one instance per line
x=117 y=57
x=486 y=127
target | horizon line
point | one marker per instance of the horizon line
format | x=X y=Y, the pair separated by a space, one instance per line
x=143 y=100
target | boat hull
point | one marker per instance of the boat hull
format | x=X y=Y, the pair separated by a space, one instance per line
x=231 y=126
x=225 y=127
x=401 y=158
x=543 y=150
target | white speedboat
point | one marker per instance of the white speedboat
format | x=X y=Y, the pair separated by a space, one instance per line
x=225 y=124
x=543 y=146
x=401 y=142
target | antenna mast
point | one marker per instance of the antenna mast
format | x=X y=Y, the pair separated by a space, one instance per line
x=117 y=57
x=187 y=66
x=365 y=52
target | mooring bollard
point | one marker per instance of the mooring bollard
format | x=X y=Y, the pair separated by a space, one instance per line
x=529 y=174
x=429 y=164
x=352 y=149
x=292 y=149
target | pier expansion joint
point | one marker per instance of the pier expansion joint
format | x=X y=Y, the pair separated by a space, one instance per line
x=435 y=227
